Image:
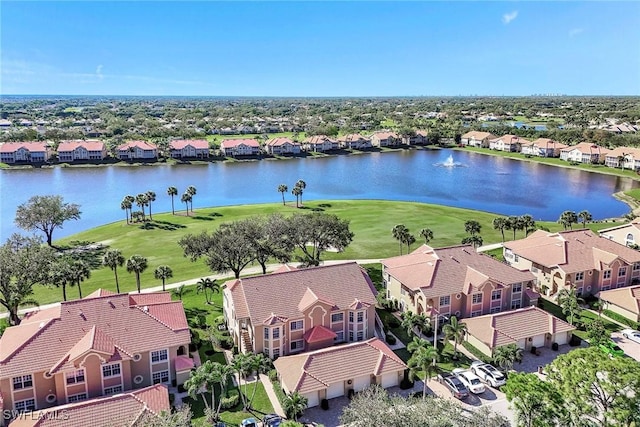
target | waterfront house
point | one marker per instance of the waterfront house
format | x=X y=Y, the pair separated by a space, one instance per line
x=574 y=259
x=454 y=280
x=320 y=144
x=623 y=158
x=137 y=150
x=419 y=137
x=122 y=410
x=510 y=143
x=354 y=141
x=625 y=234
x=335 y=371
x=525 y=327
x=100 y=345
x=300 y=310
x=282 y=145
x=385 y=139
x=477 y=139
x=584 y=152
x=624 y=301
x=542 y=147
x=189 y=149
x=24 y=152
x=70 y=151
x=239 y=147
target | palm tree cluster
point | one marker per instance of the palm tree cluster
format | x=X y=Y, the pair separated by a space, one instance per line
x=68 y=270
x=524 y=223
x=297 y=191
x=473 y=228
x=505 y=356
x=208 y=286
x=142 y=200
x=136 y=264
x=415 y=322
x=422 y=362
x=568 y=218
x=404 y=236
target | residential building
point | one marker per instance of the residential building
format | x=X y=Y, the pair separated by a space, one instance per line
x=623 y=158
x=624 y=301
x=574 y=259
x=122 y=410
x=301 y=310
x=239 y=147
x=420 y=137
x=137 y=150
x=320 y=144
x=525 y=327
x=542 y=147
x=354 y=141
x=454 y=280
x=331 y=372
x=189 y=149
x=626 y=234
x=282 y=145
x=511 y=143
x=477 y=139
x=70 y=151
x=24 y=152
x=385 y=139
x=101 y=345
x=584 y=152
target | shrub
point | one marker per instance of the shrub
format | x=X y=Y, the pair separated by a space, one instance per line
x=621 y=319
x=477 y=353
x=218 y=320
x=391 y=340
x=230 y=401
x=226 y=343
x=273 y=375
x=394 y=322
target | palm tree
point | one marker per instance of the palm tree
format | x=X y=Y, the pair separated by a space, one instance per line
x=126 y=206
x=585 y=216
x=204 y=377
x=179 y=291
x=500 y=223
x=206 y=284
x=474 y=240
x=186 y=198
x=261 y=365
x=427 y=234
x=224 y=374
x=399 y=232
x=142 y=201
x=282 y=188
x=163 y=273
x=78 y=271
x=113 y=259
x=59 y=275
x=528 y=224
x=409 y=239
x=455 y=331
x=417 y=343
x=505 y=356
x=151 y=197
x=243 y=365
x=297 y=191
x=408 y=322
x=423 y=360
x=172 y=191
x=570 y=303
x=137 y=264
x=301 y=185
x=514 y=223
x=191 y=191
x=295 y=404
x=567 y=218
x=472 y=227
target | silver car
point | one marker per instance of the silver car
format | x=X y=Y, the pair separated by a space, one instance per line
x=631 y=334
x=488 y=373
x=470 y=380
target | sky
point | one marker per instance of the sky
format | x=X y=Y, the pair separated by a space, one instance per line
x=301 y=48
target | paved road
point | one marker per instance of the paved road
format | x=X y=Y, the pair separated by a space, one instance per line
x=631 y=348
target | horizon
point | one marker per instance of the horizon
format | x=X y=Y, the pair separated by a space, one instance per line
x=320 y=50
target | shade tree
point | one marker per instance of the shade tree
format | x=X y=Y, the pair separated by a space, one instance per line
x=46 y=214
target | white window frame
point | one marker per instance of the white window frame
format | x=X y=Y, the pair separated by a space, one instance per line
x=579 y=276
x=497 y=292
x=360 y=316
x=276 y=352
x=22 y=380
x=25 y=405
x=77 y=397
x=295 y=323
x=495 y=310
x=156 y=377
x=266 y=333
x=341 y=314
x=606 y=274
x=516 y=288
x=478 y=296
x=516 y=303
x=476 y=313
x=339 y=336
x=72 y=377
x=636 y=266
x=112 y=390
x=275 y=333
x=447 y=301
x=360 y=336
x=158 y=354
x=622 y=272
x=299 y=345
x=351 y=317
x=111 y=367
x=350 y=336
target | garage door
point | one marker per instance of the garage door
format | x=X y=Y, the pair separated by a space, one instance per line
x=312 y=399
x=361 y=383
x=335 y=390
x=561 y=338
x=389 y=380
x=538 y=341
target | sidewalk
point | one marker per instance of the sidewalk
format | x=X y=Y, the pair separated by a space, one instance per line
x=268 y=387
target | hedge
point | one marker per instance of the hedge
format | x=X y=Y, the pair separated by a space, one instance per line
x=231 y=400
x=477 y=353
x=620 y=319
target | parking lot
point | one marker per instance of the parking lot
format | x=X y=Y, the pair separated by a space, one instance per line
x=631 y=348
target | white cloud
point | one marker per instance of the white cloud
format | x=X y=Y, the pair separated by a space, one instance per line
x=508 y=17
x=99 y=72
x=575 y=31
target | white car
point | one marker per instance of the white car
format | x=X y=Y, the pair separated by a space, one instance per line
x=631 y=334
x=470 y=380
x=489 y=374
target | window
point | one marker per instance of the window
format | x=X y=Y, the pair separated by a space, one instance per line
x=496 y=295
x=159 y=356
x=622 y=272
x=275 y=333
x=580 y=276
x=360 y=316
x=636 y=266
x=111 y=370
x=495 y=310
x=24 y=381
x=516 y=258
x=476 y=298
x=516 y=303
x=350 y=335
x=25 y=405
x=606 y=274
x=517 y=288
x=351 y=317
x=161 y=377
x=476 y=313
x=266 y=333
x=75 y=377
x=339 y=336
x=337 y=317
x=297 y=325
x=113 y=390
x=444 y=301
x=76 y=397
x=360 y=335
x=297 y=345
x=276 y=353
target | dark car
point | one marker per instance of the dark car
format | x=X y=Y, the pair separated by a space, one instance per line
x=455 y=386
x=271 y=420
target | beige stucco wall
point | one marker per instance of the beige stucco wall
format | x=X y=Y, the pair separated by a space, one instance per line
x=478 y=344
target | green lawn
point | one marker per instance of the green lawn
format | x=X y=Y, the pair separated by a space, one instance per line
x=218 y=138
x=584 y=318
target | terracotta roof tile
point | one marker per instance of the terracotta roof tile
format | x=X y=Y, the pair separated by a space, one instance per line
x=33 y=146
x=277 y=142
x=284 y=268
x=478 y=135
x=100 y=293
x=230 y=143
x=198 y=144
x=587 y=148
x=318 y=333
x=627 y=298
x=183 y=363
x=89 y=145
x=143 y=145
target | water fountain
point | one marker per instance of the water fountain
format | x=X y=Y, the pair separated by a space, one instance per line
x=449 y=163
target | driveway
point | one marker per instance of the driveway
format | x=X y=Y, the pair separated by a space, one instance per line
x=631 y=348
x=531 y=362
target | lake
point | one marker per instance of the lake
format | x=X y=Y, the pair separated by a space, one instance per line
x=487 y=183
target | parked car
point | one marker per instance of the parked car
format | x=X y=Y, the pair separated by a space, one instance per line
x=611 y=349
x=249 y=422
x=631 y=334
x=271 y=420
x=455 y=386
x=488 y=373
x=470 y=380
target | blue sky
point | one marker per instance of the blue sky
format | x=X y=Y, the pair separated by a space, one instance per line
x=320 y=48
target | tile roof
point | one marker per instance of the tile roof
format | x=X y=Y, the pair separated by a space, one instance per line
x=183 y=363
x=384 y=135
x=633 y=224
x=509 y=327
x=625 y=151
x=627 y=298
x=284 y=268
x=445 y=271
x=179 y=144
x=478 y=135
x=279 y=141
x=511 y=139
x=319 y=369
x=587 y=148
x=352 y=137
x=143 y=145
x=90 y=145
x=283 y=294
x=230 y=143
x=121 y=410
x=545 y=142
x=318 y=139
x=116 y=325
x=33 y=146
x=318 y=333
x=571 y=251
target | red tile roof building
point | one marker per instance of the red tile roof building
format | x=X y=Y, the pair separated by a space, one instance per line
x=189 y=148
x=624 y=301
x=24 y=152
x=69 y=151
x=320 y=144
x=239 y=147
x=137 y=150
x=282 y=145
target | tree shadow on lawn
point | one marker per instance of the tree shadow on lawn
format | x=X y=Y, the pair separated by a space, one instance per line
x=162 y=225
